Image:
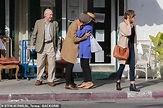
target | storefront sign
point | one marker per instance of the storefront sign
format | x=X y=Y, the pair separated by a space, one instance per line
x=47 y=3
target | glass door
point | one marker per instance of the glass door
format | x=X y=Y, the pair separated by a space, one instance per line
x=102 y=29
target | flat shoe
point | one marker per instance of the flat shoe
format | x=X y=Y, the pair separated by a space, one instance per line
x=88 y=85
x=82 y=85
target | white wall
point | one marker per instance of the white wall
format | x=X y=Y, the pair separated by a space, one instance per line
x=149 y=17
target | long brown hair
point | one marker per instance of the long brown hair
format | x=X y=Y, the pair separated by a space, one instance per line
x=129 y=13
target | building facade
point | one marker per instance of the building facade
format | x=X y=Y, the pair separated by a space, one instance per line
x=20 y=15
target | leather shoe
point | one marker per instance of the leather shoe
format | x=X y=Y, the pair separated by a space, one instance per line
x=51 y=83
x=71 y=87
x=38 y=82
x=75 y=85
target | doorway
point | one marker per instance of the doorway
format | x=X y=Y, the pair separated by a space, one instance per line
x=102 y=29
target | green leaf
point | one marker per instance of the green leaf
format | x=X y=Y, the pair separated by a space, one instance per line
x=161 y=41
x=161 y=36
x=159 y=50
x=154 y=40
x=158 y=35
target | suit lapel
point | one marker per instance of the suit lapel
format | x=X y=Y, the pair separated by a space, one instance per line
x=42 y=25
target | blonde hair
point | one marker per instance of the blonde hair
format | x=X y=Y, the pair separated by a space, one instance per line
x=128 y=13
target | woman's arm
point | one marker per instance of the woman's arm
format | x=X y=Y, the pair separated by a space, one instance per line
x=84 y=30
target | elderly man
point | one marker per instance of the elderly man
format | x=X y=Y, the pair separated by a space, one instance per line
x=45 y=34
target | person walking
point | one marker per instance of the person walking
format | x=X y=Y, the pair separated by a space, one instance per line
x=70 y=48
x=128 y=38
x=85 y=53
x=45 y=34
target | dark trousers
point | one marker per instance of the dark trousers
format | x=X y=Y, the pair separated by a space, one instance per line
x=86 y=69
x=69 y=74
x=131 y=61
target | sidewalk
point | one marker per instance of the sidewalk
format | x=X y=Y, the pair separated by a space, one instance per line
x=104 y=89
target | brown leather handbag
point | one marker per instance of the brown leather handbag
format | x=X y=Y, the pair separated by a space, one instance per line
x=121 y=53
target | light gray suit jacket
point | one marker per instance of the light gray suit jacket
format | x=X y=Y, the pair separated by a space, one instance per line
x=38 y=34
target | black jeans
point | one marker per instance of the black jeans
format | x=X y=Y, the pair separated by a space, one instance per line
x=86 y=69
x=131 y=61
x=69 y=74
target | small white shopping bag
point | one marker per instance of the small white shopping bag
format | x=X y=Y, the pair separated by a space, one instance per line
x=95 y=47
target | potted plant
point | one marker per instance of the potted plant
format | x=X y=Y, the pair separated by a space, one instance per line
x=158 y=50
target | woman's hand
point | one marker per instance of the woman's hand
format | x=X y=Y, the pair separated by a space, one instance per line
x=127 y=21
x=88 y=34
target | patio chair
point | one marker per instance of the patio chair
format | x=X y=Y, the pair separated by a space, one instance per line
x=8 y=62
x=144 y=55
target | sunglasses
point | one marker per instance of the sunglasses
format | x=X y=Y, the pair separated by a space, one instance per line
x=133 y=16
